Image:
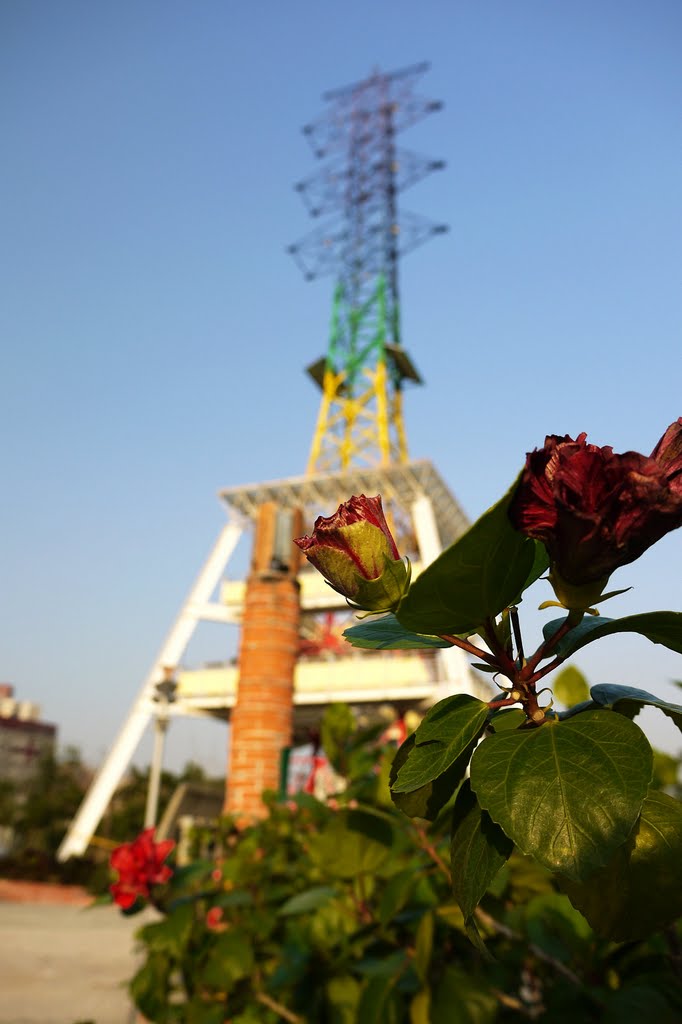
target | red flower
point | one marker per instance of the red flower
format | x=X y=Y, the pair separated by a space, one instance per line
x=214 y=920
x=357 y=555
x=139 y=865
x=595 y=510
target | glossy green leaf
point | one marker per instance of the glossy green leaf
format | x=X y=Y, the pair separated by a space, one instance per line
x=660 y=627
x=427 y=801
x=507 y=718
x=478 y=849
x=387 y=634
x=539 y=566
x=570 y=686
x=479 y=575
x=305 y=902
x=569 y=792
x=447 y=732
x=638 y=892
x=629 y=700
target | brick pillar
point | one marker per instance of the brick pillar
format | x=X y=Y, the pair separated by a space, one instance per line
x=262 y=718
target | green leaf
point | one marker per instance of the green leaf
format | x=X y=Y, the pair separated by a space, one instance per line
x=338 y=725
x=568 y=792
x=387 y=634
x=660 y=627
x=420 y=1007
x=446 y=733
x=353 y=842
x=474 y=579
x=150 y=986
x=396 y=894
x=666 y=770
x=199 y=1012
x=463 y=998
x=507 y=718
x=540 y=565
x=638 y=892
x=556 y=927
x=638 y=1002
x=172 y=933
x=628 y=700
x=570 y=686
x=230 y=960
x=478 y=849
x=305 y=902
x=343 y=993
x=423 y=946
x=429 y=800
x=378 y=1002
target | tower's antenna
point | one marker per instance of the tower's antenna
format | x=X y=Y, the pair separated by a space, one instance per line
x=360 y=421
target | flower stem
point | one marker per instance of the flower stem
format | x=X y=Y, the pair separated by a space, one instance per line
x=546 y=648
x=470 y=648
x=505 y=663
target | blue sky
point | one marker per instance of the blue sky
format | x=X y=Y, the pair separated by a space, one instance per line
x=154 y=331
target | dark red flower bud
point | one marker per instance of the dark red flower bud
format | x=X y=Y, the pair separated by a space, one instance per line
x=595 y=510
x=139 y=865
x=356 y=553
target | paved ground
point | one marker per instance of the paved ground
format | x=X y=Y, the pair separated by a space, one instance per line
x=66 y=964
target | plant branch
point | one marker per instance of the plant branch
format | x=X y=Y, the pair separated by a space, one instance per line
x=546 y=648
x=428 y=847
x=495 y=704
x=470 y=649
x=502 y=929
x=506 y=664
x=545 y=671
x=272 y=1004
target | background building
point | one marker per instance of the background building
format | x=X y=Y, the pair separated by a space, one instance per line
x=24 y=739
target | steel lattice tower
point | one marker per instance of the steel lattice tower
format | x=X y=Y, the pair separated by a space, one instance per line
x=360 y=421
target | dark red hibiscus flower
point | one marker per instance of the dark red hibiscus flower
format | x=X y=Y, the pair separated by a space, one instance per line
x=595 y=510
x=139 y=865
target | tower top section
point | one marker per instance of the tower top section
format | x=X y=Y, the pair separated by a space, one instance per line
x=359 y=241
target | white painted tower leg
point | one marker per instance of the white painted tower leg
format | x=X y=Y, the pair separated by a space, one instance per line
x=195 y=608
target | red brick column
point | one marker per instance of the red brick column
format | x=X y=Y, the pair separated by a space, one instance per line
x=261 y=722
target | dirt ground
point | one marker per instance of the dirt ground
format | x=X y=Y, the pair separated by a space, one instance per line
x=66 y=964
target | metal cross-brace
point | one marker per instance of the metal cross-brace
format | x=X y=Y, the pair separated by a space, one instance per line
x=197 y=607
